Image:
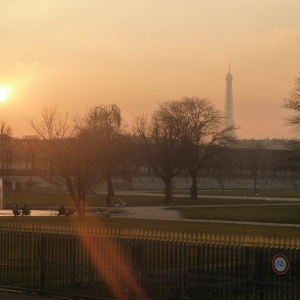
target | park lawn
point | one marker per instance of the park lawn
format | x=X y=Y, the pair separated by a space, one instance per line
x=160 y=225
x=261 y=213
x=59 y=199
x=249 y=193
x=284 y=214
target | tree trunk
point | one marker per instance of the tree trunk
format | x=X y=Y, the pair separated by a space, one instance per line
x=221 y=182
x=223 y=186
x=255 y=181
x=80 y=207
x=81 y=215
x=194 y=188
x=168 y=190
x=108 y=178
x=110 y=187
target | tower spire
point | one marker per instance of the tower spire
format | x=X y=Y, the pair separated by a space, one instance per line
x=229 y=115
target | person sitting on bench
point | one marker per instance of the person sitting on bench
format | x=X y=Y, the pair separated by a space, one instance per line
x=15 y=210
x=120 y=203
x=25 y=210
x=61 y=211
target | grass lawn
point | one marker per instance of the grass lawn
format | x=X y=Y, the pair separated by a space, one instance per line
x=249 y=193
x=264 y=213
x=99 y=200
x=284 y=214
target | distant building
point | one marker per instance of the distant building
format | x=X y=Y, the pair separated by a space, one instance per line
x=267 y=144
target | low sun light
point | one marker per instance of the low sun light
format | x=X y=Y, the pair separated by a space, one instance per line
x=3 y=93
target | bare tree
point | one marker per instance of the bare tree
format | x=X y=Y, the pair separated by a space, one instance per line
x=292 y=103
x=11 y=152
x=162 y=146
x=73 y=153
x=201 y=124
x=222 y=164
x=30 y=150
x=104 y=122
x=6 y=143
x=256 y=157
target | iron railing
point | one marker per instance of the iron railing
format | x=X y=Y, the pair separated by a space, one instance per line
x=92 y=264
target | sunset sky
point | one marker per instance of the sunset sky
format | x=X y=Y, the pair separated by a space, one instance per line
x=137 y=53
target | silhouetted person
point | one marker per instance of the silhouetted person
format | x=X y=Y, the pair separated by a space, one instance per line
x=61 y=211
x=120 y=203
x=25 y=210
x=15 y=210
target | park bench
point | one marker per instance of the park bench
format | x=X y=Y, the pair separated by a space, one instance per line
x=26 y=212
x=66 y=212
x=17 y=213
x=119 y=204
x=101 y=210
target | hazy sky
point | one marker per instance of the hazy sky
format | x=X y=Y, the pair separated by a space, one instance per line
x=137 y=53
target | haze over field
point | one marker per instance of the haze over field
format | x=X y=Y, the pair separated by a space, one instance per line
x=138 y=53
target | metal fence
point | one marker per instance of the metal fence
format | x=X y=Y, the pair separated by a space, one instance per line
x=91 y=264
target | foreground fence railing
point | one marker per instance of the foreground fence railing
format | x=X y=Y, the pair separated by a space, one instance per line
x=120 y=264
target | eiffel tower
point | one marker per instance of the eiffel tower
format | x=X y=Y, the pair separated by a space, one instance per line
x=229 y=115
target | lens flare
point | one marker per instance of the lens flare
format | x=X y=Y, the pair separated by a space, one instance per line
x=109 y=259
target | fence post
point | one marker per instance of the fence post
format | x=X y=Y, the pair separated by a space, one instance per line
x=262 y=273
x=73 y=263
x=91 y=274
x=43 y=261
x=183 y=271
x=247 y=273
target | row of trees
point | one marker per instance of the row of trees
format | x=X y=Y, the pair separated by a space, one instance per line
x=13 y=151
x=185 y=134
x=244 y=159
x=81 y=148
x=178 y=134
x=181 y=134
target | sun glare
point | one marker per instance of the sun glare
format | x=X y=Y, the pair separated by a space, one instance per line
x=3 y=93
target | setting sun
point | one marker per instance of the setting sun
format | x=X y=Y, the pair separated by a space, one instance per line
x=3 y=94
